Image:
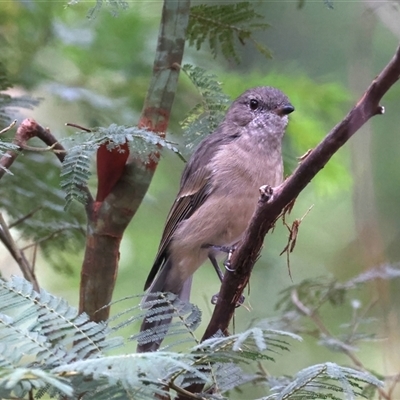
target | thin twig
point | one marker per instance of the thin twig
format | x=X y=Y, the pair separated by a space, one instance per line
x=7 y=128
x=43 y=149
x=25 y=217
x=17 y=254
x=185 y=392
x=78 y=127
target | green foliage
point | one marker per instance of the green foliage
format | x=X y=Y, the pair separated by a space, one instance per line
x=34 y=204
x=46 y=345
x=305 y=303
x=48 y=348
x=115 y=7
x=223 y=26
x=323 y=381
x=40 y=332
x=76 y=165
x=8 y=102
x=206 y=115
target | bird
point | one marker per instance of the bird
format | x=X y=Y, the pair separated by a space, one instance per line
x=218 y=195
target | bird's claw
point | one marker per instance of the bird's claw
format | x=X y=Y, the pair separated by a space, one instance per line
x=227 y=262
x=266 y=193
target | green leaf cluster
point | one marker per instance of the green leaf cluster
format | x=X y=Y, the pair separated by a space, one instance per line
x=47 y=348
x=76 y=168
x=323 y=381
x=209 y=112
x=40 y=332
x=223 y=26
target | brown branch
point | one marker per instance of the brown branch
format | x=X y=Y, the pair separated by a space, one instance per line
x=18 y=254
x=28 y=129
x=245 y=256
x=269 y=209
x=7 y=128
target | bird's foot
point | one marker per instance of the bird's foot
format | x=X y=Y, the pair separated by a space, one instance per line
x=227 y=262
x=224 y=249
x=266 y=193
x=214 y=300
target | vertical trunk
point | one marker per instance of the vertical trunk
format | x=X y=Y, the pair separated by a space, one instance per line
x=108 y=219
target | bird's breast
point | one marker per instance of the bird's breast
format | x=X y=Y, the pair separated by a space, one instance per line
x=239 y=169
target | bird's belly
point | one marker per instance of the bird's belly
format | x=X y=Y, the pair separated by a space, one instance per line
x=231 y=230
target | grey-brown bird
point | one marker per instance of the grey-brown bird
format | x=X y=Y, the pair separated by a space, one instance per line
x=219 y=192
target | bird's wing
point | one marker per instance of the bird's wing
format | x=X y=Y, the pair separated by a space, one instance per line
x=195 y=188
x=189 y=199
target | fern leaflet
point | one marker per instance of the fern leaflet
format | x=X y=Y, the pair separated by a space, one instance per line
x=207 y=115
x=76 y=171
x=223 y=26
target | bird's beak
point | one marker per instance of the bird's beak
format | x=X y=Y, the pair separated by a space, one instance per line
x=284 y=109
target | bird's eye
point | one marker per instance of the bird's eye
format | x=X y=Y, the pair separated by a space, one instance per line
x=253 y=104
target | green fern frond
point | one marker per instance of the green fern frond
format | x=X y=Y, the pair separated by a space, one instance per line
x=142 y=374
x=41 y=331
x=75 y=174
x=76 y=169
x=186 y=318
x=19 y=381
x=47 y=347
x=49 y=324
x=208 y=114
x=319 y=381
x=247 y=345
x=223 y=26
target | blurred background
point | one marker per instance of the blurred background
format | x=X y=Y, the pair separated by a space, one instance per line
x=94 y=72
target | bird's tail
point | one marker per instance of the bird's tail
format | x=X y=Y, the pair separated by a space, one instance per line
x=161 y=308
x=156 y=322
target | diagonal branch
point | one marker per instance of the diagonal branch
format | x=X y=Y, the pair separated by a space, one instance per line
x=270 y=208
x=18 y=254
x=267 y=212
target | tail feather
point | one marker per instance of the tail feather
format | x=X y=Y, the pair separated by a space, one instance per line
x=154 y=327
x=158 y=318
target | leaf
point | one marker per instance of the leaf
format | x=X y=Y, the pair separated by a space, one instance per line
x=223 y=27
x=76 y=169
x=317 y=381
x=204 y=118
